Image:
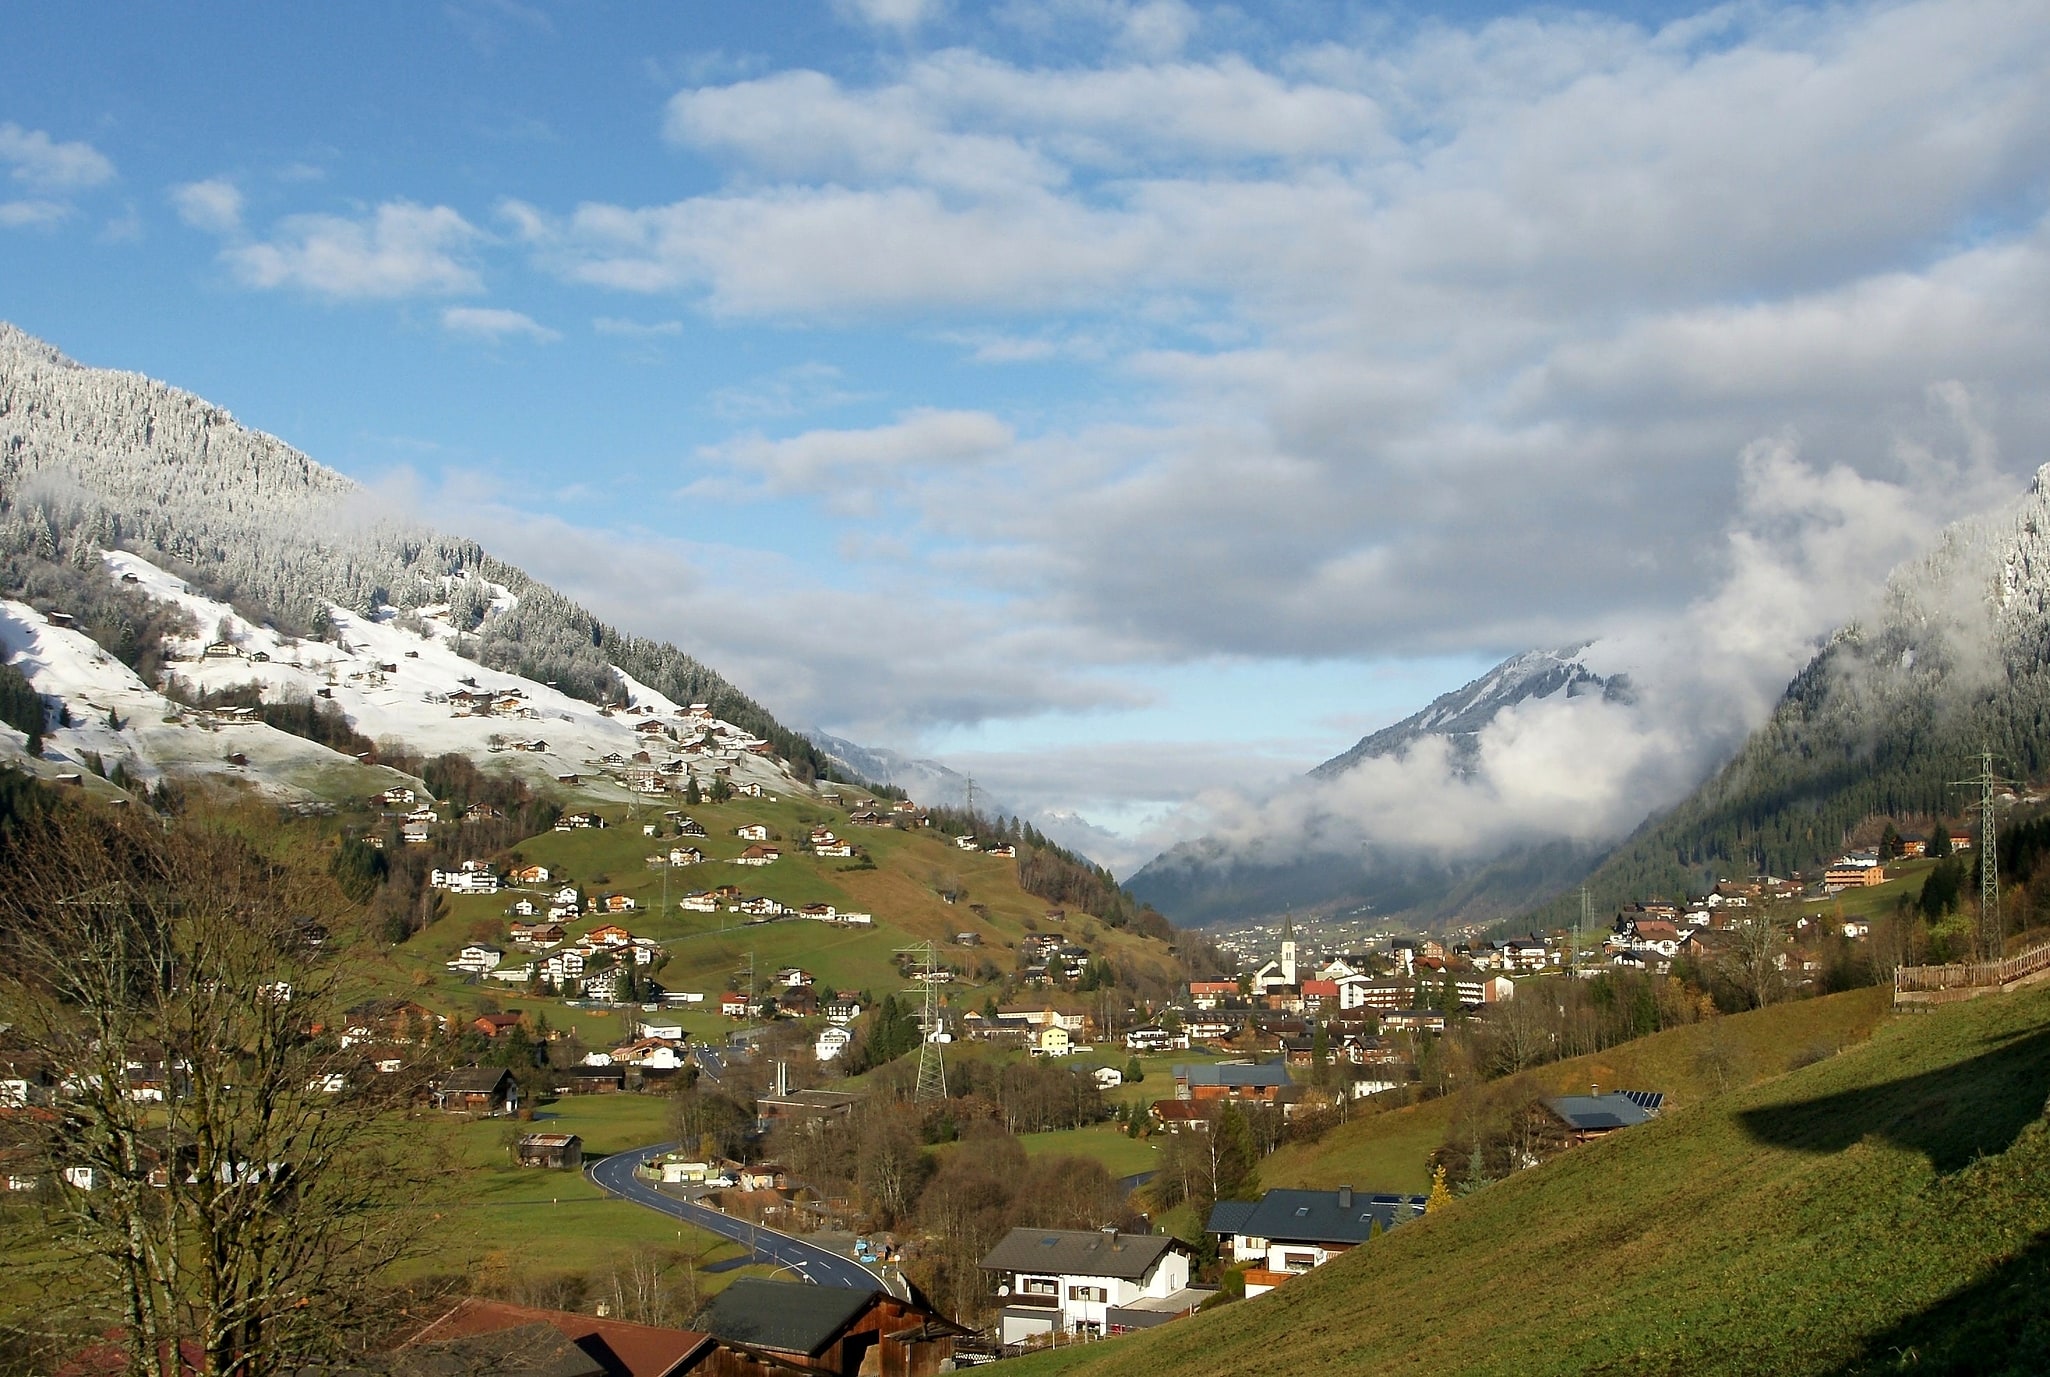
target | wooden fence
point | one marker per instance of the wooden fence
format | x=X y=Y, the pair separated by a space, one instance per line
x=1975 y=976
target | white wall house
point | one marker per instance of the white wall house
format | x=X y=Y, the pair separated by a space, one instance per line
x=1071 y=1279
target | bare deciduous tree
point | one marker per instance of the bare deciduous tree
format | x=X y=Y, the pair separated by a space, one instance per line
x=234 y=1180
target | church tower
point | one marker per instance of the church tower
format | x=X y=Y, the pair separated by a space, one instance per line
x=1288 y=949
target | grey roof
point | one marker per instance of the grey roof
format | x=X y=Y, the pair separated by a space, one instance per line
x=1226 y=1216
x=1225 y=1073
x=782 y=1315
x=532 y=1350
x=473 y=1080
x=1291 y=1216
x=1599 y=1113
x=1079 y=1253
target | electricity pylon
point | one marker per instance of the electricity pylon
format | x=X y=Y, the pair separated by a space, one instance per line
x=932 y=1066
x=1992 y=937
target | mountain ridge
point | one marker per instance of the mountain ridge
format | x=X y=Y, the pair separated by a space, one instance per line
x=1204 y=882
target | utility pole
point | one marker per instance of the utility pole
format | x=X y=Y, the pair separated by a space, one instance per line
x=932 y=1066
x=971 y=800
x=1580 y=924
x=1992 y=937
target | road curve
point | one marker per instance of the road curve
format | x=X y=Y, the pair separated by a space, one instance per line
x=614 y=1173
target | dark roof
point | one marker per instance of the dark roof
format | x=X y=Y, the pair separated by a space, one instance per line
x=1290 y=1216
x=783 y=1315
x=530 y=1350
x=1226 y=1073
x=474 y=1080
x=1227 y=1216
x=1079 y=1252
x=617 y=1348
x=1599 y=1113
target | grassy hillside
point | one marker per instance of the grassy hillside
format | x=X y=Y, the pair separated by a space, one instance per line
x=1386 y=1150
x=902 y=890
x=1882 y=1210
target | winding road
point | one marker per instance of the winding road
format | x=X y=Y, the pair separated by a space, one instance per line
x=614 y=1173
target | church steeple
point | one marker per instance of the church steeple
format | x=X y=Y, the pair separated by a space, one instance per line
x=1288 y=949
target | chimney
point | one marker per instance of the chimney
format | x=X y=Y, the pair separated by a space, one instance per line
x=1345 y=1197
x=1110 y=1231
x=1594 y=1089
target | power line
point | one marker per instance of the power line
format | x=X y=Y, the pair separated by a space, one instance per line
x=1992 y=936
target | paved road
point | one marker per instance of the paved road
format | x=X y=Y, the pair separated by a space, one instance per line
x=615 y=1173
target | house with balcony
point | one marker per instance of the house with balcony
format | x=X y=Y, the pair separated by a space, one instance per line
x=1087 y=1281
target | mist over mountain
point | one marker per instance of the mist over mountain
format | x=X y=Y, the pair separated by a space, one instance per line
x=1898 y=706
x=1507 y=790
x=1211 y=880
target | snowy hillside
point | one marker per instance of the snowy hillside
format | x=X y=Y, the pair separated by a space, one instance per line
x=388 y=682
x=93 y=460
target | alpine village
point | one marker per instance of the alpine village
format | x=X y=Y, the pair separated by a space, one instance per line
x=414 y=967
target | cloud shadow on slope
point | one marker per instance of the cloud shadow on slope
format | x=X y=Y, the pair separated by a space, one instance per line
x=1951 y=1115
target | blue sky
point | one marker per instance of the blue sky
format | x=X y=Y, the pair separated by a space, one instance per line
x=1128 y=398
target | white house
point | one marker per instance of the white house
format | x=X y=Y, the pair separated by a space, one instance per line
x=1072 y=1280
x=1107 y=1077
x=754 y=831
x=476 y=877
x=477 y=957
x=833 y=1040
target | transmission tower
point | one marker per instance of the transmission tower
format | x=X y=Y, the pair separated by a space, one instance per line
x=1579 y=926
x=932 y=1067
x=1992 y=937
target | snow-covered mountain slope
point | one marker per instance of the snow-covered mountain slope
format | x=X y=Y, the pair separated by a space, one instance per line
x=98 y=707
x=1461 y=715
x=387 y=681
x=1212 y=880
x=93 y=459
x=1954 y=661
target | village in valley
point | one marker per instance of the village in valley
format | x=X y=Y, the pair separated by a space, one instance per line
x=610 y=959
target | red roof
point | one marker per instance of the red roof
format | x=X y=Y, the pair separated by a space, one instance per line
x=640 y=1350
x=1328 y=989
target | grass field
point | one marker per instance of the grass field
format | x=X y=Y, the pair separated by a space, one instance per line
x=1881 y=1210
x=499 y=1216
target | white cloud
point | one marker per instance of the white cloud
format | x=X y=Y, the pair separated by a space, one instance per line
x=820 y=461
x=494 y=324
x=214 y=205
x=33 y=214
x=901 y=15
x=1428 y=338
x=44 y=165
x=399 y=250
x=634 y=329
